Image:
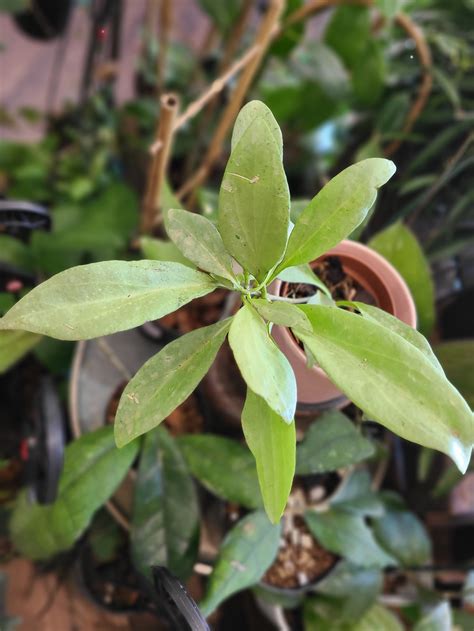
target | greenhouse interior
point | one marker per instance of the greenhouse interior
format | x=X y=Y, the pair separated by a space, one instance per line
x=236 y=315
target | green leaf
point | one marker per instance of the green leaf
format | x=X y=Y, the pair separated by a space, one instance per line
x=161 y=250
x=93 y=469
x=356 y=496
x=247 y=115
x=438 y=619
x=245 y=555
x=254 y=201
x=224 y=466
x=102 y=298
x=200 y=242
x=331 y=442
x=379 y=618
x=400 y=247
x=223 y=14
x=265 y=369
x=14 y=345
x=272 y=443
x=457 y=359
x=165 y=523
x=391 y=380
x=166 y=380
x=336 y=210
x=408 y=333
x=403 y=535
x=303 y=274
x=282 y=313
x=347 y=534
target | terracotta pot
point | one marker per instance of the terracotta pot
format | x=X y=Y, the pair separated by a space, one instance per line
x=378 y=278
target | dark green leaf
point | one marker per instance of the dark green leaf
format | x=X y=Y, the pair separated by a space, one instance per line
x=457 y=359
x=331 y=442
x=403 y=535
x=93 y=469
x=245 y=555
x=356 y=496
x=165 y=523
x=224 y=466
x=166 y=380
x=14 y=345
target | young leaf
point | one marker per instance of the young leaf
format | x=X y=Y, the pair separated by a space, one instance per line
x=254 y=201
x=272 y=443
x=282 y=313
x=391 y=380
x=93 y=469
x=347 y=534
x=166 y=380
x=336 y=210
x=265 y=369
x=245 y=555
x=404 y=536
x=398 y=244
x=165 y=523
x=161 y=250
x=102 y=298
x=303 y=274
x=247 y=115
x=225 y=467
x=200 y=242
x=410 y=334
x=14 y=345
x=330 y=443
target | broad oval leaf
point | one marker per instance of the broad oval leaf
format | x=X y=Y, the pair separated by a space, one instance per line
x=93 y=469
x=356 y=496
x=410 y=334
x=199 y=240
x=161 y=250
x=272 y=443
x=330 y=443
x=391 y=380
x=457 y=359
x=336 y=210
x=282 y=313
x=379 y=618
x=101 y=298
x=251 y=111
x=347 y=534
x=264 y=368
x=224 y=466
x=403 y=535
x=398 y=244
x=254 y=201
x=166 y=380
x=14 y=345
x=245 y=555
x=165 y=522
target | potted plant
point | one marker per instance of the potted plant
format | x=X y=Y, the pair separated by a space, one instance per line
x=383 y=365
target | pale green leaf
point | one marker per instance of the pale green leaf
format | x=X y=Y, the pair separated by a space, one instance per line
x=251 y=111
x=379 y=618
x=331 y=442
x=457 y=359
x=410 y=334
x=303 y=274
x=347 y=534
x=165 y=522
x=265 y=369
x=282 y=313
x=93 y=469
x=272 y=443
x=102 y=298
x=14 y=345
x=438 y=619
x=224 y=466
x=245 y=555
x=403 y=535
x=391 y=380
x=336 y=210
x=161 y=250
x=199 y=240
x=254 y=201
x=166 y=380
x=400 y=247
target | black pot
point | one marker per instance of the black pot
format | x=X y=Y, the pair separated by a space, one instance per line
x=45 y=19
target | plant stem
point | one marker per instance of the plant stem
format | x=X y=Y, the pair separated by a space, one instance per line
x=295 y=301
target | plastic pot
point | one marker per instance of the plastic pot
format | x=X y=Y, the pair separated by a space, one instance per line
x=389 y=291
